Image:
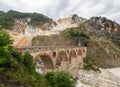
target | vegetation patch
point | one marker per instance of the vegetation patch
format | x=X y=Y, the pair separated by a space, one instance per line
x=7 y=19
x=90 y=65
x=60 y=79
x=76 y=36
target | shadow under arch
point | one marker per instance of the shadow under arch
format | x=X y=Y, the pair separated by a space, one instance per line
x=79 y=52
x=72 y=57
x=62 y=60
x=43 y=63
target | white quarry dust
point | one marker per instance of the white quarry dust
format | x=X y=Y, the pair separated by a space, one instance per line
x=63 y=24
x=115 y=71
x=106 y=76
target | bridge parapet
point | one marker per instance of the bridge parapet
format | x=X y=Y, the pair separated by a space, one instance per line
x=43 y=48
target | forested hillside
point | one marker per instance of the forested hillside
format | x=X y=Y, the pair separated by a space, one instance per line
x=7 y=19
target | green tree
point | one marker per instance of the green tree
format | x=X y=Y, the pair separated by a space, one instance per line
x=5 y=39
x=60 y=79
x=5 y=57
x=28 y=60
x=17 y=67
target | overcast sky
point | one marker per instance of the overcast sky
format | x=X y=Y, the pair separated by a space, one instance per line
x=63 y=8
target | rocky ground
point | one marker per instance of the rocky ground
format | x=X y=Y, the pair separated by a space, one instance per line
x=107 y=78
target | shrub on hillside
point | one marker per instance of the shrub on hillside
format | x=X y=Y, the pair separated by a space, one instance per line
x=90 y=65
x=77 y=36
x=60 y=79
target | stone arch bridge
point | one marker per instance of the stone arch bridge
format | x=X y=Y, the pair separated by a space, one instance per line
x=51 y=58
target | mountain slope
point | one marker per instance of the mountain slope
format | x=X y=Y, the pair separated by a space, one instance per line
x=104 y=53
x=104 y=42
x=7 y=19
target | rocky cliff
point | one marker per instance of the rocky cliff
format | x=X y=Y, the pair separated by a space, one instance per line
x=106 y=28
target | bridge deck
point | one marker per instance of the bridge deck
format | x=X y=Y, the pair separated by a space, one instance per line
x=43 y=48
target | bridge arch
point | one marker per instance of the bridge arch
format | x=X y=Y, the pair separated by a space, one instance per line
x=54 y=54
x=62 y=60
x=72 y=57
x=79 y=52
x=44 y=63
x=83 y=50
x=68 y=51
x=73 y=53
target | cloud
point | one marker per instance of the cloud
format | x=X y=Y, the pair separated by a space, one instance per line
x=64 y=8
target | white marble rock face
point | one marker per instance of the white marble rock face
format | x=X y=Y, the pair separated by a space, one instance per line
x=31 y=31
x=40 y=66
